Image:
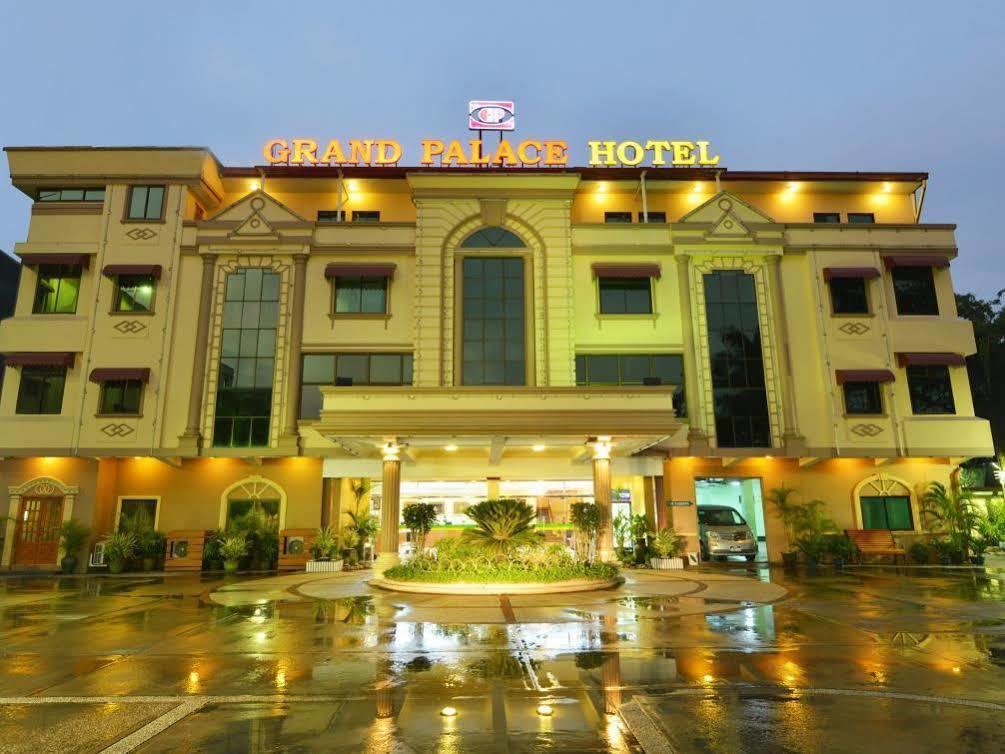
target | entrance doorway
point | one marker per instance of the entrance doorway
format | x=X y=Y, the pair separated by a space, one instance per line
x=742 y=495
x=36 y=541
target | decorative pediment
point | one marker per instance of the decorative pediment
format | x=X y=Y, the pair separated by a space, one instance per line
x=256 y=215
x=728 y=217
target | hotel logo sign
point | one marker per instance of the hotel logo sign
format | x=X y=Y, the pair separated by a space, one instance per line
x=491 y=115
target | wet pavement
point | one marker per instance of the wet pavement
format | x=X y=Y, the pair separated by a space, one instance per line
x=719 y=660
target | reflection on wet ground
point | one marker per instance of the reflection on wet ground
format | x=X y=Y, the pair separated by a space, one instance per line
x=706 y=661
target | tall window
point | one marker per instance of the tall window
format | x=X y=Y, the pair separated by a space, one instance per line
x=914 y=290
x=134 y=293
x=886 y=512
x=862 y=398
x=57 y=289
x=145 y=203
x=349 y=369
x=931 y=390
x=734 y=340
x=244 y=395
x=122 y=397
x=137 y=514
x=634 y=369
x=360 y=294
x=625 y=295
x=41 y=390
x=492 y=327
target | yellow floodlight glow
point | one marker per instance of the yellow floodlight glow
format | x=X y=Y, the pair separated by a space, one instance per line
x=538 y=447
x=448 y=712
x=254 y=185
x=544 y=710
x=887 y=187
x=792 y=187
x=707 y=678
x=450 y=448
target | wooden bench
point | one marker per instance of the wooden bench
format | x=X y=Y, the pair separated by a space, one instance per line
x=875 y=542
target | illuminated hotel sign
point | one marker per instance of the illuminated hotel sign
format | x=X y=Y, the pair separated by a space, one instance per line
x=474 y=152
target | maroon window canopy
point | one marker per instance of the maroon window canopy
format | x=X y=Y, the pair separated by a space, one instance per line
x=114 y=270
x=864 y=375
x=115 y=374
x=610 y=270
x=345 y=270
x=837 y=273
x=941 y=359
x=71 y=260
x=39 y=359
x=915 y=260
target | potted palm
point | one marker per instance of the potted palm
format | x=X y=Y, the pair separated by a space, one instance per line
x=120 y=546
x=323 y=552
x=585 y=518
x=150 y=545
x=640 y=531
x=232 y=549
x=953 y=514
x=812 y=528
x=668 y=547
x=419 y=519
x=364 y=525
x=783 y=499
x=73 y=535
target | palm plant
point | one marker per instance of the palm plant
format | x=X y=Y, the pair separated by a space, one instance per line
x=73 y=535
x=501 y=526
x=119 y=547
x=585 y=517
x=953 y=514
x=325 y=543
x=364 y=525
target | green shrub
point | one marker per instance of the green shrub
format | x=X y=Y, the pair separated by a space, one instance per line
x=461 y=560
x=325 y=543
x=920 y=552
x=501 y=526
x=839 y=547
x=73 y=535
x=120 y=546
x=419 y=519
x=669 y=544
x=234 y=547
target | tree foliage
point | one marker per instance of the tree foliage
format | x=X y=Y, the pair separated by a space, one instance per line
x=502 y=525
x=986 y=368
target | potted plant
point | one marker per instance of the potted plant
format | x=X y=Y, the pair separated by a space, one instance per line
x=364 y=525
x=419 y=519
x=211 y=558
x=119 y=547
x=788 y=510
x=811 y=527
x=641 y=531
x=323 y=552
x=953 y=514
x=232 y=549
x=622 y=531
x=585 y=519
x=150 y=546
x=668 y=547
x=948 y=551
x=73 y=535
x=920 y=552
x=841 y=549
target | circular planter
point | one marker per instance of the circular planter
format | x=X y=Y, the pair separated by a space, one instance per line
x=666 y=564
x=429 y=587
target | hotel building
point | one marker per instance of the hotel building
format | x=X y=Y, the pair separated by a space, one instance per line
x=196 y=340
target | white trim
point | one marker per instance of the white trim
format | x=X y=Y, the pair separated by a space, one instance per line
x=43 y=486
x=255 y=482
x=882 y=477
x=118 y=508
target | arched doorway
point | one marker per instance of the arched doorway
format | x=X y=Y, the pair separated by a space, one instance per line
x=40 y=507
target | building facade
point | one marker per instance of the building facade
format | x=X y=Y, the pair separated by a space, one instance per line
x=196 y=340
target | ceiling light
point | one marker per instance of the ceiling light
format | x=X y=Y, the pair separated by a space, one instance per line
x=537 y=448
x=450 y=448
x=448 y=712
x=544 y=710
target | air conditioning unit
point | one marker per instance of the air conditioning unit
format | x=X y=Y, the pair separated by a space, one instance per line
x=294 y=545
x=98 y=556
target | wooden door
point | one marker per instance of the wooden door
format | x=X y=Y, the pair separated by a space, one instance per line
x=37 y=539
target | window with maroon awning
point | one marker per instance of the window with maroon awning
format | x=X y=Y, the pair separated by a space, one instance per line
x=113 y=374
x=841 y=273
x=915 y=260
x=39 y=359
x=344 y=269
x=611 y=270
x=940 y=359
x=114 y=270
x=864 y=375
x=70 y=260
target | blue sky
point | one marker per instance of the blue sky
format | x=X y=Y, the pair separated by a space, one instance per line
x=774 y=85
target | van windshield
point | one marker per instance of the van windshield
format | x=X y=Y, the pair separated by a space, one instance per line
x=719 y=517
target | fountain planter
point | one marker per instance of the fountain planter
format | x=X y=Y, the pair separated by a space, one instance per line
x=666 y=564
x=324 y=566
x=436 y=587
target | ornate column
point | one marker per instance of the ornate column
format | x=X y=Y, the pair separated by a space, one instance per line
x=191 y=440
x=602 y=496
x=793 y=441
x=291 y=434
x=390 y=509
x=697 y=434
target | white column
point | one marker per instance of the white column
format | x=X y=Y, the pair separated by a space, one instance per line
x=602 y=496
x=390 y=509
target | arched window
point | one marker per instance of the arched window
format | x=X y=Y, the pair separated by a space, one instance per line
x=493 y=237
x=885 y=503
x=253 y=496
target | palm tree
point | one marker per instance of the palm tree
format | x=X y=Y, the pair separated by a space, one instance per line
x=501 y=526
x=953 y=513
